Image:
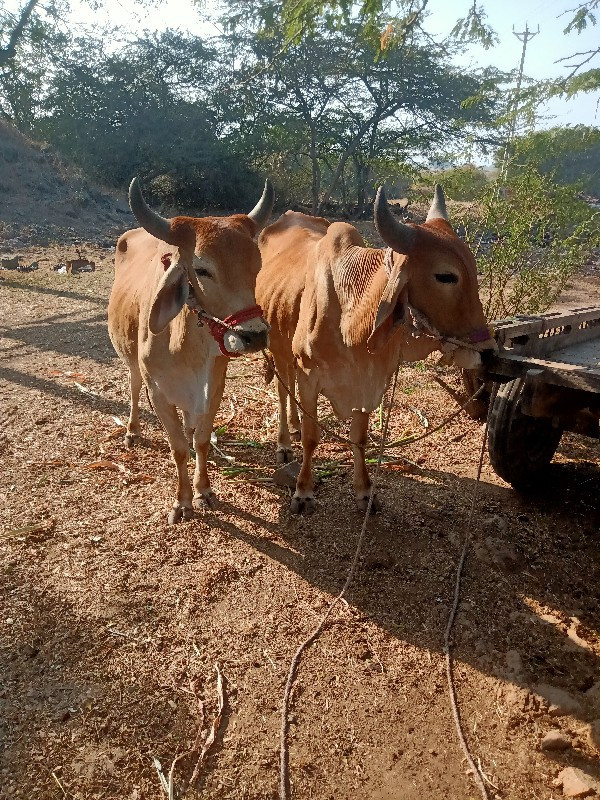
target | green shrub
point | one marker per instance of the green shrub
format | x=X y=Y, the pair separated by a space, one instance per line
x=461 y=183
x=532 y=235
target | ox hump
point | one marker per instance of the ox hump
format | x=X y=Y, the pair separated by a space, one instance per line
x=340 y=236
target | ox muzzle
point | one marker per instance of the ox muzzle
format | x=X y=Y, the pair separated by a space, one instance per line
x=243 y=332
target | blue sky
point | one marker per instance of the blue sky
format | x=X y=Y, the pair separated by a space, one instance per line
x=542 y=51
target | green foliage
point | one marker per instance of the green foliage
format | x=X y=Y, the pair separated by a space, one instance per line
x=587 y=81
x=473 y=28
x=144 y=112
x=460 y=183
x=531 y=237
x=583 y=16
x=570 y=155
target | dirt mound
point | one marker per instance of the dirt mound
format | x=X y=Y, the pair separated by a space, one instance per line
x=43 y=200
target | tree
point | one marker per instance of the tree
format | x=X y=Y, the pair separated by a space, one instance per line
x=340 y=107
x=300 y=16
x=145 y=111
x=12 y=31
x=570 y=155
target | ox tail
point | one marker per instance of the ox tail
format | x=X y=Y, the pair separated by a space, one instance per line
x=268 y=367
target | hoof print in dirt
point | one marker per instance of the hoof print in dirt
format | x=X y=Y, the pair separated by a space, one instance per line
x=208 y=500
x=180 y=513
x=302 y=505
x=287 y=475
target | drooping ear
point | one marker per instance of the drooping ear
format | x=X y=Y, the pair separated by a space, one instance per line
x=392 y=310
x=170 y=297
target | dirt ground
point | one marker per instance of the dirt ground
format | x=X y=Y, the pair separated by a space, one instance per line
x=111 y=621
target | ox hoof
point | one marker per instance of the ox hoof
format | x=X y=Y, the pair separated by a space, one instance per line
x=179 y=513
x=362 y=503
x=131 y=439
x=206 y=500
x=284 y=455
x=302 y=505
x=295 y=436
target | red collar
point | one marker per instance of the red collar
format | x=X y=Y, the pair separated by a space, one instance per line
x=219 y=327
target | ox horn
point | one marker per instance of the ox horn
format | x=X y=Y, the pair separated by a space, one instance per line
x=149 y=220
x=395 y=234
x=261 y=212
x=438 y=205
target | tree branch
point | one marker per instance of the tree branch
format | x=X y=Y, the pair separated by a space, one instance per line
x=8 y=52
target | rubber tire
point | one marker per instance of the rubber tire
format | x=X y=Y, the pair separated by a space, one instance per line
x=520 y=447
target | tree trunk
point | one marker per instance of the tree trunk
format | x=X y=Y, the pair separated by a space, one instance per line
x=346 y=155
x=316 y=172
x=8 y=52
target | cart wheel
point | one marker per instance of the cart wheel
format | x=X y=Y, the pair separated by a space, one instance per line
x=520 y=447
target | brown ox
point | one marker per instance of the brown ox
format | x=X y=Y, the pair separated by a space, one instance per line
x=340 y=319
x=169 y=276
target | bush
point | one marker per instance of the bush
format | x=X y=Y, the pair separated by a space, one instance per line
x=531 y=237
x=461 y=183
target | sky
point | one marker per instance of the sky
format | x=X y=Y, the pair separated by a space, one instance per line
x=543 y=50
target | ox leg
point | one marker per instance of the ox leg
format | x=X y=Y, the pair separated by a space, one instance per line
x=284 y=452
x=292 y=416
x=362 y=483
x=180 y=450
x=134 y=432
x=304 y=499
x=203 y=494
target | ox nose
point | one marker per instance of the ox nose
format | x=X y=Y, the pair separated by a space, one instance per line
x=254 y=340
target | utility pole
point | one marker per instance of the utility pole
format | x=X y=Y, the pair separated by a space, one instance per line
x=523 y=36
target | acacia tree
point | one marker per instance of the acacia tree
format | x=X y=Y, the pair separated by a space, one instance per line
x=347 y=106
x=297 y=17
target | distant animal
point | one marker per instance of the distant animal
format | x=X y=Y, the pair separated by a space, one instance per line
x=10 y=263
x=181 y=305
x=75 y=265
x=343 y=316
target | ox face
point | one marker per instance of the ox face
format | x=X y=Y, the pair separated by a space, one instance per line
x=214 y=269
x=437 y=280
x=228 y=285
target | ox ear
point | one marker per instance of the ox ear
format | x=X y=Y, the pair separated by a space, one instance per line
x=170 y=297
x=392 y=310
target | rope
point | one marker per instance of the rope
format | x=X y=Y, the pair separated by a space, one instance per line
x=284 y=759
x=478 y=775
x=345 y=440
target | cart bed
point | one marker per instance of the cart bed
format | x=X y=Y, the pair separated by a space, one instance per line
x=564 y=346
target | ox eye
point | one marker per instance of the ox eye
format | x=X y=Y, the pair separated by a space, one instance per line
x=203 y=273
x=446 y=277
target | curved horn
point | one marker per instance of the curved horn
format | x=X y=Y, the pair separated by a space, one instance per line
x=395 y=234
x=149 y=220
x=438 y=205
x=261 y=212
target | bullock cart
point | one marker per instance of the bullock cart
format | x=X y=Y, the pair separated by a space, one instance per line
x=548 y=367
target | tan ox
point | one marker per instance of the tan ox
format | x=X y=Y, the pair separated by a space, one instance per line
x=343 y=316
x=171 y=276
